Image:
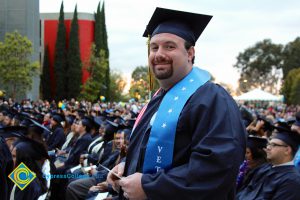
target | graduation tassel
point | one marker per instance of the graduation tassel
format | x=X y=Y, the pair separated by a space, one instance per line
x=151 y=79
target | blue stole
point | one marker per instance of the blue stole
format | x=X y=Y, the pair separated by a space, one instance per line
x=160 y=147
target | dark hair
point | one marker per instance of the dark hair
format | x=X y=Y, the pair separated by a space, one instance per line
x=258 y=153
x=87 y=125
x=187 y=46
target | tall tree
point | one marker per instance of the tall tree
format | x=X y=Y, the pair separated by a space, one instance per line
x=45 y=76
x=98 y=30
x=291 y=58
x=260 y=66
x=106 y=50
x=290 y=88
x=60 y=62
x=16 y=69
x=295 y=94
x=95 y=85
x=74 y=71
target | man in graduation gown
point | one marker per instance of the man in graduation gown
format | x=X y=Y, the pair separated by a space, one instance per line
x=280 y=180
x=189 y=141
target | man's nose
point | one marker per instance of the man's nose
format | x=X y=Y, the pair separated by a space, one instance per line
x=160 y=54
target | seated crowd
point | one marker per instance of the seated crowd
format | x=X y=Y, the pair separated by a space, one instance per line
x=70 y=148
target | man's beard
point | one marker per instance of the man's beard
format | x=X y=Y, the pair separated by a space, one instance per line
x=165 y=74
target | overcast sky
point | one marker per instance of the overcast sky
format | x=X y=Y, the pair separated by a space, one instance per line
x=236 y=25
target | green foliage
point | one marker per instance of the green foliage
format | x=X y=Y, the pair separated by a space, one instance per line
x=60 y=62
x=295 y=93
x=139 y=88
x=104 y=32
x=95 y=85
x=98 y=31
x=74 y=71
x=290 y=88
x=260 y=66
x=45 y=77
x=291 y=58
x=16 y=69
x=117 y=86
x=104 y=46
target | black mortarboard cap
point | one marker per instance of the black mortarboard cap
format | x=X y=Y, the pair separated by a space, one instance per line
x=289 y=137
x=186 y=25
x=88 y=121
x=32 y=149
x=98 y=120
x=282 y=126
x=13 y=131
x=40 y=126
x=256 y=142
x=110 y=129
x=58 y=117
x=70 y=119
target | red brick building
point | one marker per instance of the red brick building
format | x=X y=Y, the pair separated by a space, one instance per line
x=49 y=25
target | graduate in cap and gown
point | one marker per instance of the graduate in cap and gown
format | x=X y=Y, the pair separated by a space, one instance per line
x=33 y=154
x=57 y=138
x=189 y=141
x=255 y=159
x=280 y=180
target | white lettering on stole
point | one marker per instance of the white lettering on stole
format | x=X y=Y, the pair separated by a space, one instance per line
x=158 y=159
x=157 y=168
x=159 y=149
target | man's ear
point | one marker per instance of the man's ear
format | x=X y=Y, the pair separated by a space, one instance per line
x=191 y=53
x=289 y=150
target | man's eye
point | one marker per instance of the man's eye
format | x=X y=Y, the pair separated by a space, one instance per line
x=154 y=48
x=169 y=47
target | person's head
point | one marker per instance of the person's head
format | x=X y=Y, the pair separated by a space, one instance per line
x=101 y=130
x=255 y=154
x=56 y=120
x=7 y=120
x=282 y=147
x=32 y=154
x=47 y=117
x=119 y=139
x=83 y=126
x=173 y=35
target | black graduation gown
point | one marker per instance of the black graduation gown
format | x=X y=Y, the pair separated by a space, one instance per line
x=273 y=183
x=32 y=192
x=6 y=167
x=209 y=147
x=110 y=162
x=80 y=146
x=56 y=139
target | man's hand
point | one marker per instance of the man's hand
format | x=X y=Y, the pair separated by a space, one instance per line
x=112 y=179
x=103 y=187
x=132 y=187
x=60 y=152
